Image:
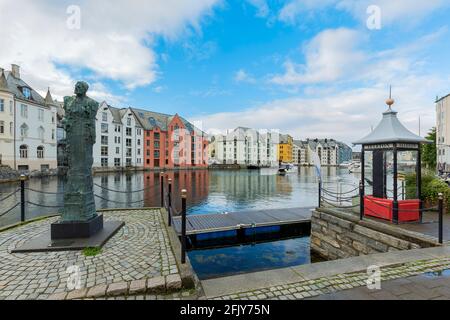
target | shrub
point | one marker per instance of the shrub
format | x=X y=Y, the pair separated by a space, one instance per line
x=431 y=187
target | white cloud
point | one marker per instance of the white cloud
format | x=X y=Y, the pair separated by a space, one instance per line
x=291 y=11
x=392 y=11
x=401 y=11
x=329 y=56
x=242 y=76
x=347 y=115
x=262 y=7
x=328 y=108
x=114 y=42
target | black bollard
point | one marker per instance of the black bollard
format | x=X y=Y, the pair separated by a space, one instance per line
x=23 y=178
x=361 y=200
x=183 y=225
x=441 y=217
x=169 y=209
x=162 y=189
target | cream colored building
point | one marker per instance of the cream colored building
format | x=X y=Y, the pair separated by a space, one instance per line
x=443 y=133
x=27 y=125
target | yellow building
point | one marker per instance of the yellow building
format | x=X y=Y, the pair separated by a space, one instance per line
x=285 y=148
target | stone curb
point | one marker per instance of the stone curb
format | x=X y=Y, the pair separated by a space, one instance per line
x=156 y=285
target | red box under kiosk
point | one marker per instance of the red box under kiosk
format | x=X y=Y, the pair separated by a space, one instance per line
x=408 y=210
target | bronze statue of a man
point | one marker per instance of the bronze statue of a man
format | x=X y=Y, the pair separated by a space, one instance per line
x=79 y=123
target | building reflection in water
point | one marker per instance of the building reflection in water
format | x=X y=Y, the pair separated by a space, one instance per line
x=211 y=191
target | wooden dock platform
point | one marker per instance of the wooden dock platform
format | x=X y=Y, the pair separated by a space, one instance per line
x=207 y=223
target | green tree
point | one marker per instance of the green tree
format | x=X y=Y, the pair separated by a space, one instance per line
x=429 y=150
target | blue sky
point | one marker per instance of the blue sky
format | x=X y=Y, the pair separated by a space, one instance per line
x=311 y=68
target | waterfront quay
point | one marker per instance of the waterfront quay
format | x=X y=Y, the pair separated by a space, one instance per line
x=144 y=260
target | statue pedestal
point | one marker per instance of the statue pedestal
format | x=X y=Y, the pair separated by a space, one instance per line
x=76 y=229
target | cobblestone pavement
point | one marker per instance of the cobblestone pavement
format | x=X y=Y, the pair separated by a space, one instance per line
x=434 y=286
x=407 y=281
x=140 y=250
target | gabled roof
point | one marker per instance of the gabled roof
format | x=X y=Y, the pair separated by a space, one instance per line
x=3 y=82
x=390 y=130
x=151 y=120
x=15 y=86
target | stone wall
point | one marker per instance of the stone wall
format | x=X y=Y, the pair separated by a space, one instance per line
x=8 y=174
x=338 y=234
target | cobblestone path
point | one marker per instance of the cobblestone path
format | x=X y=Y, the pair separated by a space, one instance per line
x=401 y=280
x=141 y=250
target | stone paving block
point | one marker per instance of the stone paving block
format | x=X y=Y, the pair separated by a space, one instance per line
x=56 y=296
x=173 y=282
x=156 y=285
x=77 y=294
x=138 y=286
x=117 y=289
x=97 y=291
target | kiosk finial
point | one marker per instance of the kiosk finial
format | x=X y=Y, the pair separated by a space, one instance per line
x=390 y=101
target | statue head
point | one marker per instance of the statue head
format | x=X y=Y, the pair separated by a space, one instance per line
x=81 y=88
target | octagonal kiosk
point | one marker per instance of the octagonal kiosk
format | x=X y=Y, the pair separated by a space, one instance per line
x=390 y=135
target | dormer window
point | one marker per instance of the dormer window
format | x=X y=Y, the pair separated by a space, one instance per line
x=26 y=92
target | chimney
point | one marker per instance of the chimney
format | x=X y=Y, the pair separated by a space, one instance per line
x=15 y=71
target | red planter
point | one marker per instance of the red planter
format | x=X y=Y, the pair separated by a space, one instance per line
x=383 y=209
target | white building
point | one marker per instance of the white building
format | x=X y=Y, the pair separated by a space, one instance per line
x=27 y=125
x=119 y=140
x=443 y=133
x=329 y=151
x=246 y=147
x=301 y=153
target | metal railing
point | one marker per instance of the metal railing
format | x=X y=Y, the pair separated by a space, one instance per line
x=344 y=200
x=24 y=200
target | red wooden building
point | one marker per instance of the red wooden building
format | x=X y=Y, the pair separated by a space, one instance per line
x=171 y=141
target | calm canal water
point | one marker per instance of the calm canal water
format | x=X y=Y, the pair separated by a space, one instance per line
x=208 y=192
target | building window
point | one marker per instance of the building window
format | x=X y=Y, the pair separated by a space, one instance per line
x=24 y=130
x=23 y=151
x=156 y=144
x=53 y=134
x=117 y=162
x=128 y=130
x=104 y=151
x=157 y=136
x=11 y=128
x=104 y=128
x=26 y=92
x=129 y=122
x=41 y=133
x=148 y=143
x=104 y=162
x=104 y=140
x=117 y=139
x=138 y=142
x=128 y=162
x=156 y=154
x=139 y=152
x=24 y=110
x=117 y=150
x=40 y=152
x=53 y=117
x=128 y=152
x=41 y=114
x=117 y=128
x=138 y=132
x=104 y=116
x=2 y=127
x=10 y=107
x=2 y=105
x=128 y=143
